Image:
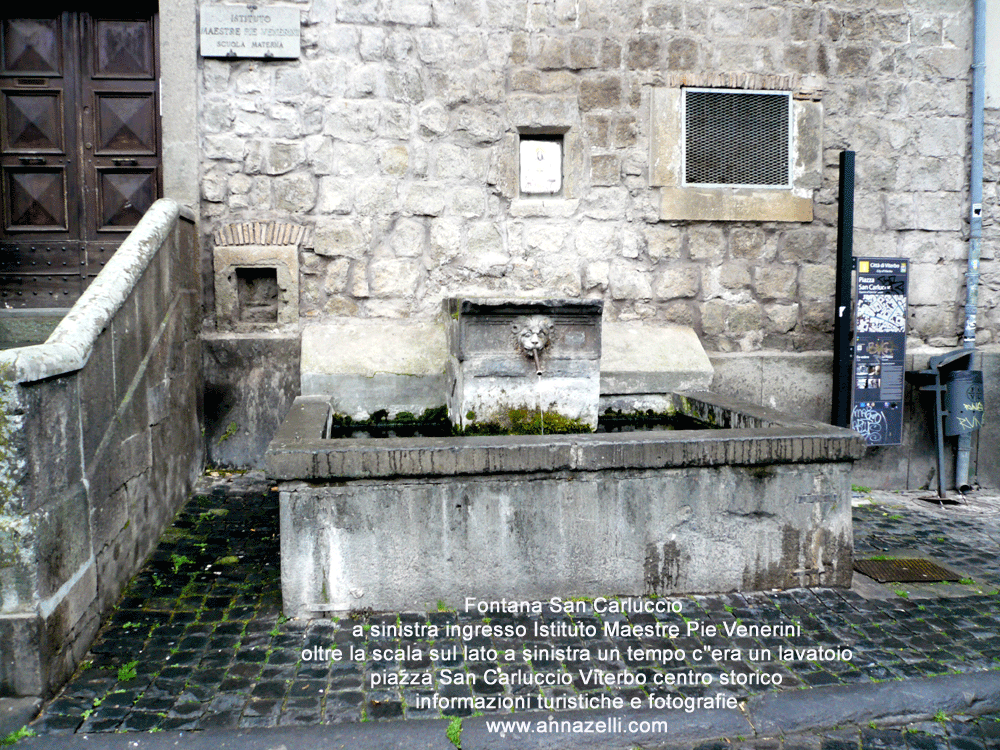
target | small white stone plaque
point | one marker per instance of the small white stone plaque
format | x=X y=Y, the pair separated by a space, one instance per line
x=541 y=167
x=250 y=31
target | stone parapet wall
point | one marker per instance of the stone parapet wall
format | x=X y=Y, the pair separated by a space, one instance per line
x=394 y=139
x=660 y=532
x=101 y=431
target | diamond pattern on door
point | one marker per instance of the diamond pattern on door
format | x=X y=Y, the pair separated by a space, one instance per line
x=33 y=121
x=32 y=46
x=124 y=49
x=125 y=196
x=37 y=200
x=79 y=144
x=126 y=124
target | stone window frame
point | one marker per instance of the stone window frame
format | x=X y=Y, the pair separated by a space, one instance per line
x=530 y=115
x=680 y=202
x=564 y=202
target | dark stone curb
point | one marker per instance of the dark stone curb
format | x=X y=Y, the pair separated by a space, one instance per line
x=889 y=702
x=777 y=714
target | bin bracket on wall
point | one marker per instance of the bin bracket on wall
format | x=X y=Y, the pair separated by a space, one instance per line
x=948 y=371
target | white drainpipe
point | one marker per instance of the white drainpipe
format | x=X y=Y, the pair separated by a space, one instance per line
x=975 y=218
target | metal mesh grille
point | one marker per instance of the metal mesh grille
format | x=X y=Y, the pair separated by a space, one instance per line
x=736 y=138
x=904 y=570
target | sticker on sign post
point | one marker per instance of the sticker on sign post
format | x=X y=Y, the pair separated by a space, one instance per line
x=879 y=349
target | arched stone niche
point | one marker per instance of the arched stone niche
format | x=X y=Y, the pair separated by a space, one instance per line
x=256 y=268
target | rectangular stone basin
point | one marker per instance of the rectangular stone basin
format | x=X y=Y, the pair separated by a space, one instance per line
x=404 y=524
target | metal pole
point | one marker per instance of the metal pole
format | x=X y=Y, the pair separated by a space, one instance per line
x=939 y=433
x=842 y=353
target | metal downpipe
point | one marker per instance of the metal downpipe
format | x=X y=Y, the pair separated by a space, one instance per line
x=975 y=219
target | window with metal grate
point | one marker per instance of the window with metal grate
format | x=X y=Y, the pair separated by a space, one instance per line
x=737 y=138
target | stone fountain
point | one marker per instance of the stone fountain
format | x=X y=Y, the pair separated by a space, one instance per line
x=523 y=354
x=405 y=523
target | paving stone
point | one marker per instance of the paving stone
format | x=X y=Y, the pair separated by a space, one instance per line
x=839 y=744
x=100 y=724
x=250 y=722
x=186 y=707
x=140 y=721
x=219 y=720
x=176 y=724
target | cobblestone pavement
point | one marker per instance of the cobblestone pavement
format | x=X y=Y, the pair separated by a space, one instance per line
x=198 y=641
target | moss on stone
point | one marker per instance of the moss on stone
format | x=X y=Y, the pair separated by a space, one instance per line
x=8 y=401
x=669 y=419
x=522 y=421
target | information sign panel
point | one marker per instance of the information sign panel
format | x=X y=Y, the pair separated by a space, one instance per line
x=879 y=349
x=249 y=31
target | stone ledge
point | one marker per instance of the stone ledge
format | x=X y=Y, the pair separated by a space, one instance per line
x=374 y=346
x=298 y=451
x=28 y=326
x=399 y=365
x=70 y=345
x=638 y=359
x=728 y=204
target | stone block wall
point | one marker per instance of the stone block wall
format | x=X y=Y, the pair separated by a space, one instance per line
x=250 y=383
x=394 y=139
x=101 y=443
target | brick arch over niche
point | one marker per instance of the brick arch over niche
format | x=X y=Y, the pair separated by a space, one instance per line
x=259 y=233
x=256 y=266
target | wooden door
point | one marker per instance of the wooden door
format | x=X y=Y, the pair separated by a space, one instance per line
x=79 y=148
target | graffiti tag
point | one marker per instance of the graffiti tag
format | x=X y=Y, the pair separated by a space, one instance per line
x=883 y=349
x=969 y=424
x=892 y=283
x=870 y=422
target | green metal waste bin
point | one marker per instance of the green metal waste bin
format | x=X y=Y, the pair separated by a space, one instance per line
x=963 y=401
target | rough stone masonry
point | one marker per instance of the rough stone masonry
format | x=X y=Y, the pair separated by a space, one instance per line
x=394 y=137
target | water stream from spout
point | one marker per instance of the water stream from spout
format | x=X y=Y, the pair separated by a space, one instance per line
x=538 y=392
x=538 y=398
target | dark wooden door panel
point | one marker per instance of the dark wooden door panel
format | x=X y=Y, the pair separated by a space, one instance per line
x=79 y=147
x=97 y=255
x=36 y=200
x=33 y=290
x=41 y=258
x=32 y=46
x=40 y=274
x=124 y=196
x=39 y=181
x=120 y=123
x=33 y=121
x=123 y=48
x=126 y=124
